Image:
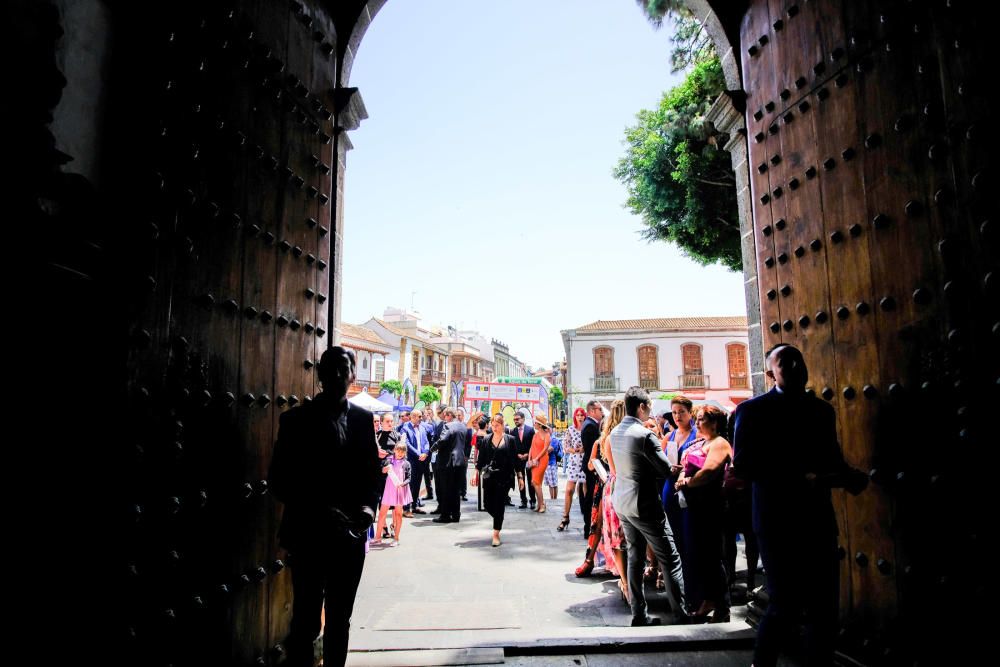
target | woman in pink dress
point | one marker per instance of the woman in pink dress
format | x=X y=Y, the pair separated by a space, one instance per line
x=396 y=493
x=613 y=542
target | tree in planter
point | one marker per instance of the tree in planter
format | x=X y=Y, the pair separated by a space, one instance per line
x=394 y=387
x=429 y=394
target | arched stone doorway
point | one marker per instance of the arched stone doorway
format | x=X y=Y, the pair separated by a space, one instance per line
x=204 y=230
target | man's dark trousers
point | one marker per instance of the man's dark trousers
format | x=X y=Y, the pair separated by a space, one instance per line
x=332 y=573
x=586 y=496
x=417 y=470
x=449 y=489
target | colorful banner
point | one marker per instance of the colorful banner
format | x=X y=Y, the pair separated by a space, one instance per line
x=543 y=401
x=527 y=393
x=477 y=391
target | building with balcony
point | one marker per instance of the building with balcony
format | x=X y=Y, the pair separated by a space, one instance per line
x=377 y=360
x=421 y=361
x=701 y=357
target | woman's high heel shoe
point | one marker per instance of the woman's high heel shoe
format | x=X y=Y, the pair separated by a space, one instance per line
x=585 y=569
x=562 y=524
x=720 y=618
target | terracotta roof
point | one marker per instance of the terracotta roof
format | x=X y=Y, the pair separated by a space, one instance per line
x=669 y=323
x=407 y=334
x=361 y=333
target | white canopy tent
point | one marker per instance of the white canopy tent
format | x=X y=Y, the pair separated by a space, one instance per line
x=364 y=400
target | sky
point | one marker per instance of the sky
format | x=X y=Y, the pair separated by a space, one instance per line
x=480 y=188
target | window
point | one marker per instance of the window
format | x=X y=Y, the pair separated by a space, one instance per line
x=416 y=361
x=364 y=363
x=604 y=369
x=693 y=377
x=736 y=356
x=649 y=377
x=379 y=371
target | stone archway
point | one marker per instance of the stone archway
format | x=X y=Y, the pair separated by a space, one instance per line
x=204 y=235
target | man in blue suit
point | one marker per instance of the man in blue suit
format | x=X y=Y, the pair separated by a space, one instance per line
x=785 y=442
x=418 y=447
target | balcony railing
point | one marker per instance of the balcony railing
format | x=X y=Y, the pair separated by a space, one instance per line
x=428 y=376
x=374 y=388
x=693 y=381
x=467 y=377
x=739 y=382
x=605 y=384
x=648 y=383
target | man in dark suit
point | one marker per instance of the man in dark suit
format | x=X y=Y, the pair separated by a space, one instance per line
x=522 y=436
x=452 y=465
x=326 y=472
x=590 y=432
x=785 y=442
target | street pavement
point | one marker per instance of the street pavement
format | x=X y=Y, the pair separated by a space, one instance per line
x=444 y=596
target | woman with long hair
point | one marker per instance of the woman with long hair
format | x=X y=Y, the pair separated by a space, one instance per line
x=595 y=541
x=611 y=529
x=703 y=466
x=573 y=450
x=496 y=453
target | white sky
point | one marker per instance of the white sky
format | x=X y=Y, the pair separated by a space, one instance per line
x=482 y=179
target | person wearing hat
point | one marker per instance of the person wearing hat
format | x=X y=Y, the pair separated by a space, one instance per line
x=538 y=457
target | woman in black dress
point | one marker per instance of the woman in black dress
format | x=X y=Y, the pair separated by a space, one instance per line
x=495 y=471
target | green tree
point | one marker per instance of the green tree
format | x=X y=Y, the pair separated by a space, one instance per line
x=429 y=394
x=677 y=179
x=394 y=387
x=556 y=396
x=691 y=43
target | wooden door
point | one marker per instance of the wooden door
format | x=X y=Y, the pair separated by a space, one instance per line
x=604 y=362
x=736 y=361
x=866 y=178
x=649 y=376
x=235 y=241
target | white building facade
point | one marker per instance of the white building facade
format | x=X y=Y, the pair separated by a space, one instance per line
x=701 y=357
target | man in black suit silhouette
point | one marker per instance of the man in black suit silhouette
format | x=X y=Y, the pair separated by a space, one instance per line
x=452 y=466
x=523 y=434
x=326 y=472
x=785 y=442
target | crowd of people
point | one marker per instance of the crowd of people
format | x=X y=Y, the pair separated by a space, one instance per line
x=662 y=497
x=691 y=528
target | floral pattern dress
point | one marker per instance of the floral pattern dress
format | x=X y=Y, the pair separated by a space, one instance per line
x=574 y=471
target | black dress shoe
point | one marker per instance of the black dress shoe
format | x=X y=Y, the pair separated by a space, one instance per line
x=510 y=502
x=648 y=620
x=531 y=505
x=465 y=498
x=442 y=519
x=437 y=511
x=523 y=506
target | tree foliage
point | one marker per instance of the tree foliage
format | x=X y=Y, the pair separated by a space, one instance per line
x=394 y=387
x=691 y=43
x=677 y=179
x=429 y=394
x=556 y=396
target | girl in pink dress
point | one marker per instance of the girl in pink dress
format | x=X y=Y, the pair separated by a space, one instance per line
x=396 y=493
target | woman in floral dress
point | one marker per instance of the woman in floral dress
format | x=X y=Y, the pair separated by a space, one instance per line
x=573 y=450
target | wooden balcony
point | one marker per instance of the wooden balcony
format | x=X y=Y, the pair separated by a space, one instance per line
x=374 y=388
x=605 y=384
x=649 y=383
x=428 y=376
x=693 y=381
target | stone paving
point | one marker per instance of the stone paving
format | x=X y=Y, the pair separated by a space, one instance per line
x=445 y=596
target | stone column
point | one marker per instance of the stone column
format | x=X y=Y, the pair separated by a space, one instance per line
x=727 y=117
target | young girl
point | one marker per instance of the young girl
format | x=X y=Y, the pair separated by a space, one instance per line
x=396 y=493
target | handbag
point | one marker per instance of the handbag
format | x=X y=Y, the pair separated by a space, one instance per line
x=530 y=463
